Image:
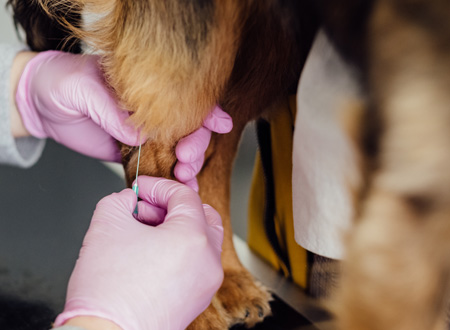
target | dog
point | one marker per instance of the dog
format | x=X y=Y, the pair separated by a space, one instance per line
x=170 y=61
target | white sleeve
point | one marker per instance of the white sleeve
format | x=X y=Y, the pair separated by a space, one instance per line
x=22 y=152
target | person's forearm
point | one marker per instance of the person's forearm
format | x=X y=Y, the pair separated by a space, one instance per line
x=21 y=60
x=92 y=323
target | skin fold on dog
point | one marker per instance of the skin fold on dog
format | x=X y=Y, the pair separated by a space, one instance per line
x=171 y=61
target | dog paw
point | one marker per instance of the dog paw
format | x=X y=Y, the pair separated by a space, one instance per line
x=214 y=317
x=240 y=300
x=245 y=300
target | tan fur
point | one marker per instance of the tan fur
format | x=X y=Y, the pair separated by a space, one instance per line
x=351 y=120
x=396 y=274
x=391 y=279
x=151 y=67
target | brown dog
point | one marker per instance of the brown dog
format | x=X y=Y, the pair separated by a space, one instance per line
x=171 y=61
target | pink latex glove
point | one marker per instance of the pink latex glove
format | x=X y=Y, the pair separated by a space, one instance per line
x=142 y=277
x=63 y=96
x=190 y=150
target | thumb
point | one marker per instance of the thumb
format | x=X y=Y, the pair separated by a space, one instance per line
x=212 y=216
x=215 y=228
x=218 y=121
x=124 y=200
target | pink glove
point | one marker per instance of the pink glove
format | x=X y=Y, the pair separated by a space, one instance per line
x=63 y=96
x=142 y=277
x=190 y=151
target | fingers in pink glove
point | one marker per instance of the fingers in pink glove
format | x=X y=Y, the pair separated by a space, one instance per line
x=129 y=253
x=193 y=184
x=102 y=107
x=64 y=96
x=116 y=123
x=218 y=121
x=170 y=195
x=190 y=150
x=192 y=147
x=185 y=172
x=164 y=193
x=126 y=199
x=212 y=216
x=150 y=214
x=215 y=223
x=178 y=200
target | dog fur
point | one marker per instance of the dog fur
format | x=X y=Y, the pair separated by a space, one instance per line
x=171 y=61
x=396 y=272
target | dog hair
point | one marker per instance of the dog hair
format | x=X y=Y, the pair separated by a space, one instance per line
x=170 y=61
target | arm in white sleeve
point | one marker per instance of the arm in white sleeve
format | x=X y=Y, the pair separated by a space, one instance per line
x=24 y=151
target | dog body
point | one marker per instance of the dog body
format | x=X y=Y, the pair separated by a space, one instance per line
x=171 y=61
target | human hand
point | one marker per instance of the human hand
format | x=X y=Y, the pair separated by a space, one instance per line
x=190 y=150
x=144 y=277
x=63 y=96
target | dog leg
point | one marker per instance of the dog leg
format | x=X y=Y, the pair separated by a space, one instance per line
x=157 y=159
x=240 y=299
x=396 y=275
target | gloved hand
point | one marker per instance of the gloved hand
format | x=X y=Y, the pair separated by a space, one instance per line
x=143 y=277
x=63 y=96
x=190 y=150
